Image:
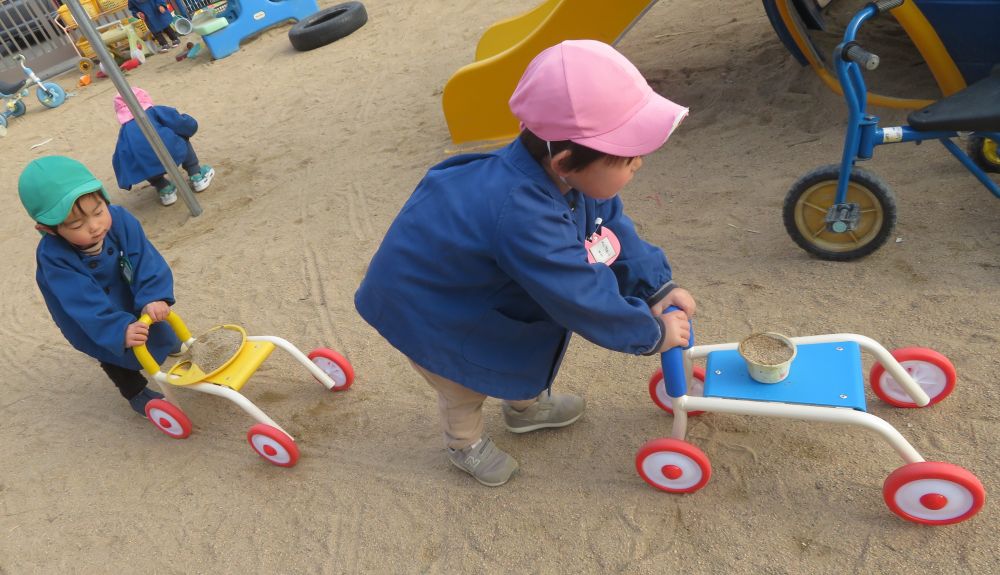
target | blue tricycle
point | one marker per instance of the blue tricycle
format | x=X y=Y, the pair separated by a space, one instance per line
x=50 y=94
x=842 y=212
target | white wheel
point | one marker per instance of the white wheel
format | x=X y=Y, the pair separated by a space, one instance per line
x=933 y=493
x=673 y=465
x=335 y=366
x=273 y=445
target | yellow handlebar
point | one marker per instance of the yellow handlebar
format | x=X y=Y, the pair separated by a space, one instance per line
x=142 y=354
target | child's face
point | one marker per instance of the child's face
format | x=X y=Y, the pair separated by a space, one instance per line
x=87 y=223
x=603 y=180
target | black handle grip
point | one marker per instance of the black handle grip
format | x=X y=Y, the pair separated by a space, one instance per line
x=884 y=6
x=862 y=57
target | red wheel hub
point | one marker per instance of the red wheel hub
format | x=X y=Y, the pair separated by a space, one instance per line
x=933 y=501
x=672 y=472
x=270 y=451
x=165 y=423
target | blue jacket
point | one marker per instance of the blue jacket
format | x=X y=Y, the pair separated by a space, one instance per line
x=150 y=8
x=135 y=160
x=91 y=301
x=483 y=275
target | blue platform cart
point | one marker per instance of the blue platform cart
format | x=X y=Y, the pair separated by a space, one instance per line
x=825 y=384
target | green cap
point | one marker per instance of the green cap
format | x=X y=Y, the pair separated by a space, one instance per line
x=49 y=186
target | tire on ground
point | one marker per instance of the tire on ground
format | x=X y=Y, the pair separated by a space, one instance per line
x=327 y=25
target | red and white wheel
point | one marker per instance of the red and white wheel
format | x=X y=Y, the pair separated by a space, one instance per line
x=335 y=366
x=933 y=493
x=168 y=418
x=673 y=465
x=658 y=389
x=931 y=370
x=273 y=445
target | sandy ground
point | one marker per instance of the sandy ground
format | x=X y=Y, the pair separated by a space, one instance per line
x=315 y=153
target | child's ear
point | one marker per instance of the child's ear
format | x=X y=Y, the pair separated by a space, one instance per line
x=45 y=229
x=556 y=162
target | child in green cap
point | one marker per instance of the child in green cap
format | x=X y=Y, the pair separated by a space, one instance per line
x=98 y=273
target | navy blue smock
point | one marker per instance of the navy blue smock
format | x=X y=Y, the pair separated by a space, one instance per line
x=91 y=301
x=483 y=275
x=135 y=161
x=155 y=21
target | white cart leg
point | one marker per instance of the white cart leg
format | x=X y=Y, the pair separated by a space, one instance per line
x=298 y=355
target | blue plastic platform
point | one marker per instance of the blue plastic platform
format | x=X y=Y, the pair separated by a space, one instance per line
x=250 y=17
x=826 y=374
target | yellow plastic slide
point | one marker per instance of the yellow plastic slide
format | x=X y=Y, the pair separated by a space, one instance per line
x=475 y=98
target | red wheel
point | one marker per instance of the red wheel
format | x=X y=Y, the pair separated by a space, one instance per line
x=933 y=493
x=168 y=418
x=673 y=465
x=273 y=445
x=931 y=370
x=658 y=389
x=334 y=365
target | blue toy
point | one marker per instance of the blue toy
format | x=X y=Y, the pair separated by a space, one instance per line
x=248 y=18
x=50 y=94
x=824 y=383
x=841 y=212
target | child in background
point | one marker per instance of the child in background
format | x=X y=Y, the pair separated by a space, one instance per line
x=496 y=259
x=157 y=16
x=98 y=273
x=135 y=160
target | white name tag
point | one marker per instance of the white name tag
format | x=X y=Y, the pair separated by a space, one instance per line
x=603 y=247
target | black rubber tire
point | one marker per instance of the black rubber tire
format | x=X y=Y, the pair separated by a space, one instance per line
x=985 y=159
x=811 y=196
x=327 y=25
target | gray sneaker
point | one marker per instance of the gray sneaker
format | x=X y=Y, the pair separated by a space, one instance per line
x=556 y=410
x=484 y=461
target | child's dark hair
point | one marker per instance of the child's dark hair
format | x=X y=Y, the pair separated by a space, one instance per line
x=96 y=194
x=579 y=156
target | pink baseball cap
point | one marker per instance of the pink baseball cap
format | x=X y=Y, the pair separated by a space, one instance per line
x=585 y=91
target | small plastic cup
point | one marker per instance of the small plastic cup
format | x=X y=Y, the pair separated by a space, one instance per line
x=763 y=372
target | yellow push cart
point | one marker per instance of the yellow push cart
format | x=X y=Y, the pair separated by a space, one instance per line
x=220 y=362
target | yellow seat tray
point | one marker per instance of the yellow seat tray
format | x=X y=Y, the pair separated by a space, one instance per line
x=234 y=375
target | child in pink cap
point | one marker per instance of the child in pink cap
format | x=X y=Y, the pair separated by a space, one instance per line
x=135 y=160
x=496 y=259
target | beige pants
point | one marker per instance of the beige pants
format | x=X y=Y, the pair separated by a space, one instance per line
x=461 y=409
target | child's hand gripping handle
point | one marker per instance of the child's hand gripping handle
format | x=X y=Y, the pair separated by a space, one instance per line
x=142 y=354
x=672 y=360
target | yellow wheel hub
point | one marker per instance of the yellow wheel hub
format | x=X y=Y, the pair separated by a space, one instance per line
x=990 y=152
x=813 y=204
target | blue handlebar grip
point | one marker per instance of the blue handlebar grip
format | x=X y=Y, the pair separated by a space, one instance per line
x=672 y=361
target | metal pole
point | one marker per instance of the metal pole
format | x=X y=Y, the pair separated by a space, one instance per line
x=179 y=179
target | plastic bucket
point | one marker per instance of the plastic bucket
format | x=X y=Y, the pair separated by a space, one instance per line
x=766 y=356
x=182 y=26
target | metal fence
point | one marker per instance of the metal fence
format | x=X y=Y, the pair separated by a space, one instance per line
x=28 y=27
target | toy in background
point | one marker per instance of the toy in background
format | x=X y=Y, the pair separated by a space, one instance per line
x=327 y=26
x=12 y=96
x=475 y=97
x=824 y=383
x=125 y=36
x=220 y=362
x=841 y=212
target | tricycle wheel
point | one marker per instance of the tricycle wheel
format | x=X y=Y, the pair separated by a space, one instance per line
x=673 y=465
x=19 y=109
x=335 y=366
x=85 y=65
x=51 y=95
x=933 y=493
x=811 y=197
x=168 y=418
x=984 y=153
x=658 y=390
x=931 y=370
x=273 y=445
